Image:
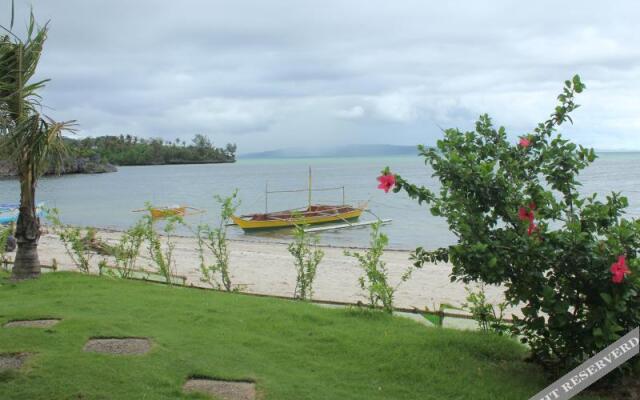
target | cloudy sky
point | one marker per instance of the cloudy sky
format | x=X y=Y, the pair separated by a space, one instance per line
x=273 y=74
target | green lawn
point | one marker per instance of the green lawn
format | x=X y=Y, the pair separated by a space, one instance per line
x=291 y=350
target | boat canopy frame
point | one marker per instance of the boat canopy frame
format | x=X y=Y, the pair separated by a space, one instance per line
x=309 y=190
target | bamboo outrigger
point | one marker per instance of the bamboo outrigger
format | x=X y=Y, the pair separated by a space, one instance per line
x=347 y=225
x=310 y=215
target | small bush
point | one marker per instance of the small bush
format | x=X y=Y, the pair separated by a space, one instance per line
x=162 y=256
x=127 y=251
x=215 y=240
x=76 y=245
x=490 y=318
x=375 y=280
x=5 y=232
x=306 y=256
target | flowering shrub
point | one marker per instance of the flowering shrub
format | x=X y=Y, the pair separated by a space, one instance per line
x=568 y=261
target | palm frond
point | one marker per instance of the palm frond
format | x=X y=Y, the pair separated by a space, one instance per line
x=34 y=141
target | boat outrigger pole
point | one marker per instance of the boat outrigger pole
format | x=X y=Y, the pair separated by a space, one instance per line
x=347 y=225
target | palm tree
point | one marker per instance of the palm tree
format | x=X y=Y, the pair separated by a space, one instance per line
x=32 y=139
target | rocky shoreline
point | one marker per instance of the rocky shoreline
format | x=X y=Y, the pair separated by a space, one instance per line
x=69 y=166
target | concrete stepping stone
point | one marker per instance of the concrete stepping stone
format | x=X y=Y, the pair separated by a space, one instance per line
x=12 y=360
x=224 y=390
x=460 y=323
x=120 y=346
x=32 y=323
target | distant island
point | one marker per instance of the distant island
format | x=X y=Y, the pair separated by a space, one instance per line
x=102 y=154
x=356 y=150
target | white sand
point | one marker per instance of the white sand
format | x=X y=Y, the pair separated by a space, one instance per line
x=267 y=268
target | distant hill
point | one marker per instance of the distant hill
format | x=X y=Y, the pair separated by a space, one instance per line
x=356 y=150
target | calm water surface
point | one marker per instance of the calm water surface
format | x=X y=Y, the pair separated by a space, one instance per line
x=107 y=200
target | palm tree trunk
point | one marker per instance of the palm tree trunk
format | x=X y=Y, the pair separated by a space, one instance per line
x=27 y=264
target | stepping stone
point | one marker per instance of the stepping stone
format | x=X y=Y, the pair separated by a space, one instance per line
x=120 y=346
x=460 y=323
x=12 y=360
x=32 y=323
x=224 y=390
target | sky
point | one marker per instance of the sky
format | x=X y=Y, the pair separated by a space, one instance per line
x=278 y=74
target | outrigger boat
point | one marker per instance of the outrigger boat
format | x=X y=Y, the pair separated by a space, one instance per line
x=165 y=212
x=312 y=214
x=170 y=211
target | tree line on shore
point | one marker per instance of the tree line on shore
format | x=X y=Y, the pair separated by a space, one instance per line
x=133 y=150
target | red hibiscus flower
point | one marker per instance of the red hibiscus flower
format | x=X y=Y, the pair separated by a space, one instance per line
x=386 y=182
x=619 y=269
x=525 y=215
x=524 y=142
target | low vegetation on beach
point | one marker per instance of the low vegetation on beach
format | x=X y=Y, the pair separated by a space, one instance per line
x=291 y=350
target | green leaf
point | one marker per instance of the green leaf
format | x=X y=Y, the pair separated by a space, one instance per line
x=577 y=84
x=606 y=297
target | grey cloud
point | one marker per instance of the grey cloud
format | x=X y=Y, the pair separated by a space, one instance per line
x=291 y=73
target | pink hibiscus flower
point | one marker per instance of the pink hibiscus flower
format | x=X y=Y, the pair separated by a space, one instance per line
x=619 y=269
x=524 y=142
x=387 y=182
x=525 y=215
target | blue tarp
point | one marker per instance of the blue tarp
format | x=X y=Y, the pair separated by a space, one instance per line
x=9 y=212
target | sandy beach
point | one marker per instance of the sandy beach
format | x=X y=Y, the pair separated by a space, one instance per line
x=267 y=268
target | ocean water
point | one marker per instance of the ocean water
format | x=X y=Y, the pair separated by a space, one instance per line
x=108 y=200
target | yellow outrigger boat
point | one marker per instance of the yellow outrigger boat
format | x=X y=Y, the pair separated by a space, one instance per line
x=311 y=215
x=171 y=211
x=314 y=214
x=165 y=212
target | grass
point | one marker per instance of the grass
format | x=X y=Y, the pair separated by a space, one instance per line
x=292 y=350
